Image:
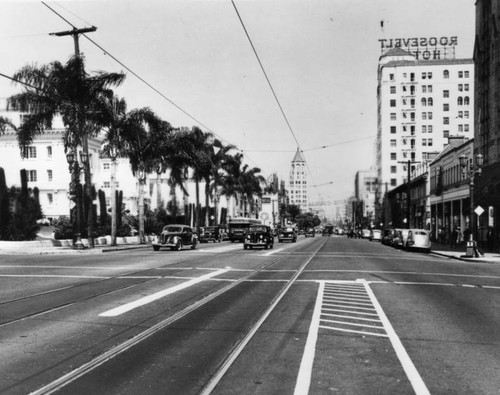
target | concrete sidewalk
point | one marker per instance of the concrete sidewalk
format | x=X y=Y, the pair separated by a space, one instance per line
x=459 y=253
x=51 y=246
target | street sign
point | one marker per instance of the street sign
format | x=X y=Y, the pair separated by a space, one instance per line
x=479 y=210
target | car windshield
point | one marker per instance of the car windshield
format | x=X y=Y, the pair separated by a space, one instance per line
x=172 y=229
x=258 y=229
x=420 y=233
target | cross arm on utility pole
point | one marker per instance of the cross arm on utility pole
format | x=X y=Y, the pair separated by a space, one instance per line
x=75 y=33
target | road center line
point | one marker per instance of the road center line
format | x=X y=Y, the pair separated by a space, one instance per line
x=158 y=295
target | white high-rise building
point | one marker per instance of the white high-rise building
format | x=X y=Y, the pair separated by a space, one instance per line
x=298 y=182
x=420 y=104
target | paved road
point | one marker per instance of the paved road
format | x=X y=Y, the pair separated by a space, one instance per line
x=323 y=315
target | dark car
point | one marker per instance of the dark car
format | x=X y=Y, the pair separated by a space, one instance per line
x=310 y=233
x=211 y=233
x=259 y=236
x=288 y=234
x=175 y=237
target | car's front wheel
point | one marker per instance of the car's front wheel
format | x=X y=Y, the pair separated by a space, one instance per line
x=178 y=245
x=156 y=248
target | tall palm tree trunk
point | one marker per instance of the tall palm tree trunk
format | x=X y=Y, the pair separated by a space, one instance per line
x=88 y=193
x=197 y=221
x=158 y=190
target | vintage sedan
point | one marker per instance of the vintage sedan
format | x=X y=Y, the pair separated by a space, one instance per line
x=176 y=237
x=400 y=238
x=310 y=232
x=287 y=234
x=375 y=235
x=211 y=233
x=418 y=239
x=259 y=236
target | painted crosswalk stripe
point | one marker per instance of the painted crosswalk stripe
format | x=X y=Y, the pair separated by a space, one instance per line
x=158 y=295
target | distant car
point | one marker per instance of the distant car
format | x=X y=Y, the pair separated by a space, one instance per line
x=259 y=236
x=400 y=238
x=287 y=234
x=418 y=239
x=310 y=233
x=388 y=236
x=176 y=237
x=211 y=233
x=375 y=235
x=43 y=221
x=365 y=233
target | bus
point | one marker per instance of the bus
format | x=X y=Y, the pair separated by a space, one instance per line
x=237 y=227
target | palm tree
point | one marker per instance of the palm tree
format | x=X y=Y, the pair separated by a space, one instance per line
x=250 y=185
x=229 y=182
x=143 y=133
x=4 y=123
x=64 y=90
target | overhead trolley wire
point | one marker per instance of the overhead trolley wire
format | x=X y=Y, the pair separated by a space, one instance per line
x=106 y=52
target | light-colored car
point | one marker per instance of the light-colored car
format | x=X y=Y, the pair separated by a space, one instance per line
x=418 y=239
x=365 y=233
x=375 y=235
x=400 y=238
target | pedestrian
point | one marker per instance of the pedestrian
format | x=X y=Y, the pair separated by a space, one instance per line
x=454 y=237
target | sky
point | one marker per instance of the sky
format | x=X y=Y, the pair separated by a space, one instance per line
x=320 y=57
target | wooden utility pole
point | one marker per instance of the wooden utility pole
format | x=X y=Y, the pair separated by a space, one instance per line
x=85 y=144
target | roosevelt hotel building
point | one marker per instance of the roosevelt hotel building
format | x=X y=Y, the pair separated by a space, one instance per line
x=420 y=104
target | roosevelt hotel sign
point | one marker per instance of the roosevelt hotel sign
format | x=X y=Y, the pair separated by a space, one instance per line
x=426 y=48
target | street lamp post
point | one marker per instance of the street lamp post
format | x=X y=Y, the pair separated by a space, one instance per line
x=113 y=152
x=142 y=179
x=75 y=168
x=470 y=169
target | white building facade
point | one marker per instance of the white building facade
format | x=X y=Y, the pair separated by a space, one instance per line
x=298 y=191
x=421 y=102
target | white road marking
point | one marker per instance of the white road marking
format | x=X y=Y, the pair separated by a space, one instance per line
x=411 y=372
x=306 y=364
x=231 y=247
x=273 y=251
x=151 y=298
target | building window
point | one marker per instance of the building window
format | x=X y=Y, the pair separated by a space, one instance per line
x=429 y=75
x=393 y=103
x=466 y=114
x=424 y=76
x=466 y=87
x=393 y=143
x=106 y=166
x=393 y=156
x=466 y=127
x=429 y=115
x=393 y=89
x=460 y=100
x=29 y=152
x=429 y=142
x=393 y=116
x=424 y=142
x=393 y=182
x=106 y=184
x=424 y=129
x=49 y=151
x=412 y=116
x=446 y=74
x=460 y=74
x=446 y=107
x=31 y=175
x=466 y=100
x=446 y=133
x=429 y=88
x=446 y=121
x=446 y=94
x=424 y=116
x=460 y=87
x=424 y=88
x=429 y=129
x=405 y=155
x=393 y=169
x=49 y=175
x=50 y=198
x=393 y=129
x=391 y=77
x=460 y=114
x=466 y=74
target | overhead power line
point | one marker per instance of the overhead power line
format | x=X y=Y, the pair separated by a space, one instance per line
x=106 y=52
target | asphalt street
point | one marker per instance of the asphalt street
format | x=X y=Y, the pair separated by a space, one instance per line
x=323 y=315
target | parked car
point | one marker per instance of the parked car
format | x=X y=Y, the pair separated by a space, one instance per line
x=365 y=233
x=259 y=236
x=175 y=237
x=400 y=238
x=287 y=234
x=211 y=233
x=418 y=239
x=387 y=236
x=375 y=235
x=310 y=233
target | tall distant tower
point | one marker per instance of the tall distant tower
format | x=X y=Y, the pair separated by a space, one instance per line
x=298 y=182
